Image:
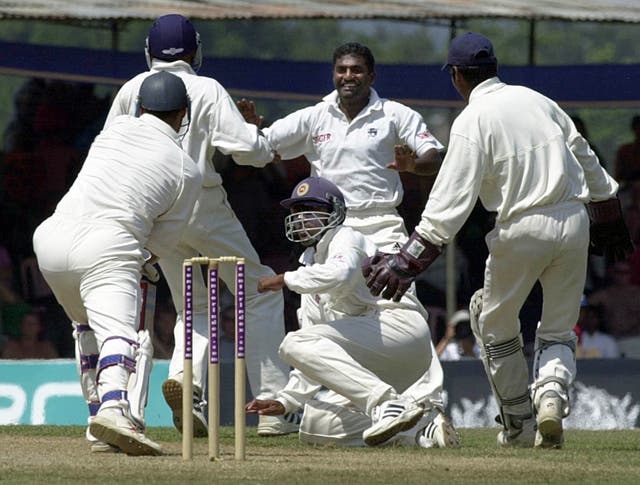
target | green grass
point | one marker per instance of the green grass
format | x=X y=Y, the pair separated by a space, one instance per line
x=59 y=454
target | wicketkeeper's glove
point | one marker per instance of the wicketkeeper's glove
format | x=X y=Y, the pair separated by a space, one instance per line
x=609 y=235
x=394 y=273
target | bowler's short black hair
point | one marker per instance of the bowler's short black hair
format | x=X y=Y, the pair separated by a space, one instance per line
x=355 y=49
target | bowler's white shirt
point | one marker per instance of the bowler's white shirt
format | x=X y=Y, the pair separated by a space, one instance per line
x=216 y=121
x=516 y=150
x=354 y=155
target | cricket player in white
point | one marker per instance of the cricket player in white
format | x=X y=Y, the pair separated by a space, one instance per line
x=213 y=230
x=522 y=155
x=366 y=351
x=361 y=142
x=134 y=193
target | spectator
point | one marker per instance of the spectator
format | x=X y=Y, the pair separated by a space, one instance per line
x=592 y=342
x=30 y=343
x=628 y=155
x=458 y=342
x=620 y=302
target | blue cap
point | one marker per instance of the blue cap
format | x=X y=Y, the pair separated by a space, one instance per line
x=470 y=49
x=172 y=37
x=314 y=190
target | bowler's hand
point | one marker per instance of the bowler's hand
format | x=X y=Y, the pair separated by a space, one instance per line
x=248 y=111
x=271 y=283
x=405 y=159
x=267 y=407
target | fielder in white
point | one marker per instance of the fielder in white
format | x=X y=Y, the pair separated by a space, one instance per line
x=360 y=142
x=134 y=193
x=365 y=351
x=173 y=45
x=522 y=155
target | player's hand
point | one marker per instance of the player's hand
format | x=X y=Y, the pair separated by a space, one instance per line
x=271 y=283
x=266 y=407
x=370 y=261
x=393 y=274
x=405 y=160
x=609 y=235
x=247 y=109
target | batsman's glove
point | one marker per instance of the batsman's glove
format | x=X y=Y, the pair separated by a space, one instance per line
x=609 y=235
x=394 y=273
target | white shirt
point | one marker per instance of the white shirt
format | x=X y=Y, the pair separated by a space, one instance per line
x=215 y=121
x=332 y=273
x=354 y=155
x=136 y=176
x=516 y=150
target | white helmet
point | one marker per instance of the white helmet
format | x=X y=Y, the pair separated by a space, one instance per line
x=317 y=205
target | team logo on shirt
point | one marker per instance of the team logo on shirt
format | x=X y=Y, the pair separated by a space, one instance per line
x=424 y=134
x=321 y=138
x=302 y=189
x=372 y=132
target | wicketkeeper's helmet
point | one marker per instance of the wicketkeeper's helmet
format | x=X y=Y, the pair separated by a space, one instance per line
x=317 y=205
x=172 y=37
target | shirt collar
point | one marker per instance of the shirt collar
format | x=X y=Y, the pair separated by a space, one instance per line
x=374 y=101
x=308 y=256
x=486 y=87
x=171 y=66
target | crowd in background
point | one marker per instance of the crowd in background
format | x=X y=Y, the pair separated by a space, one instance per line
x=43 y=148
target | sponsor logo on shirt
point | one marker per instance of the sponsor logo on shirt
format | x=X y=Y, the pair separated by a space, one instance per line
x=372 y=132
x=321 y=138
x=425 y=134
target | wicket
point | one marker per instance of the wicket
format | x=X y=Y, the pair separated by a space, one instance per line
x=213 y=382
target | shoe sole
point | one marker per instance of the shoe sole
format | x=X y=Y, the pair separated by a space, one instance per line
x=104 y=448
x=269 y=430
x=376 y=439
x=450 y=437
x=172 y=392
x=128 y=444
x=550 y=432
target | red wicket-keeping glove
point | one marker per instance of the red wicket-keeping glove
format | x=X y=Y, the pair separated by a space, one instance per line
x=392 y=274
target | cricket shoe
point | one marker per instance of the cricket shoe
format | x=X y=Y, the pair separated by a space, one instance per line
x=279 y=425
x=520 y=432
x=549 y=419
x=97 y=446
x=438 y=432
x=390 y=418
x=172 y=392
x=113 y=427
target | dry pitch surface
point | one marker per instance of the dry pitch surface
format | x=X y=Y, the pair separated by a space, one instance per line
x=52 y=454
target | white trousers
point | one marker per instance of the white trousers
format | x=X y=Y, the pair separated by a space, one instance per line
x=367 y=359
x=215 y=231
x=387 y=231
x=94 y=273
x=548 y=244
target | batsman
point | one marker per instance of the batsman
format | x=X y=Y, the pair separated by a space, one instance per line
x=521 y=154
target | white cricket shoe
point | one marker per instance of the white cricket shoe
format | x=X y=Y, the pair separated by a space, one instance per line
x=279 y=425
x=97 y=446
x=519 y=433
x=172 y=392
x=438 y=433
x=112 y=426
x=549 y=419
x=390 y=418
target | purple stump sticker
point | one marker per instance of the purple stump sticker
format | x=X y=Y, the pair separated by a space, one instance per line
x=240 y=296
x=188 y=311
x=214 y=357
